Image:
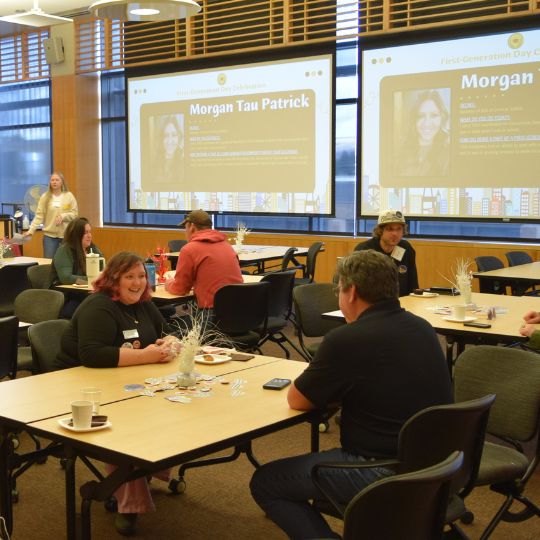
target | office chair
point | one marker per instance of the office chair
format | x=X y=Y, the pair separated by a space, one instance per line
x=34 y=306
x=241 y=312
x=175 y=246
x=423 y=441
x=514 y=375
x=516 y=258
x=39 y=276
x=310 y=302
x=486 y=263
x=9 y=330
x=279 y=310
x=311 y=259
x=45 y=340
x=14 y=279
x=413 y=503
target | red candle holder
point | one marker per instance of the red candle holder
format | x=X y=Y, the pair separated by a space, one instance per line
x=160 y=259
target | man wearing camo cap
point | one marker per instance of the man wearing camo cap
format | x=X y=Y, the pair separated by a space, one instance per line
x=388 y=239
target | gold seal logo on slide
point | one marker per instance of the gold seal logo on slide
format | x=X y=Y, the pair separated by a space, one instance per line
x=222 y=79
x=515 y=41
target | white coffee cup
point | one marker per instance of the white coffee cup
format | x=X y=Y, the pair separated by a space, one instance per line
x=459 y=311
x=81 y=412
x=93 y=394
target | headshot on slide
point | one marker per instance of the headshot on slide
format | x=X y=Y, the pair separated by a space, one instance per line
x=168 y=149
x=421 y=140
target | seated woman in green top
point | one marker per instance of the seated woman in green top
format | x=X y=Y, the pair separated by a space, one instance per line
x=529 y=329
x=69 y=262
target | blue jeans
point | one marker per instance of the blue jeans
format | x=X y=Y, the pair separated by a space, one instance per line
x=283 y=489
x=50 y=245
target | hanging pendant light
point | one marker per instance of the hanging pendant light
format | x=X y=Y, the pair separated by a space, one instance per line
x=144 y=10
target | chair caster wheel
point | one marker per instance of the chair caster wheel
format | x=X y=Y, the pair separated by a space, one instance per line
x=111 y=504
x=15 y=441
x=324 y=427
x=467 y=518
x=41 y=460
x=14 y=496
x=63 y=463
x=177 y=485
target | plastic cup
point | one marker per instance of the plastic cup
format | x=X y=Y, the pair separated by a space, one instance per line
x=92 y=394
x=81 y=412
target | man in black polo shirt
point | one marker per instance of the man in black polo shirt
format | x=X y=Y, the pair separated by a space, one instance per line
x=382 y=367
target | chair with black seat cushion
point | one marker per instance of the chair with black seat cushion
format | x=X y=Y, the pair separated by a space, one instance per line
x=485 y=263
x=417 y=502
x=39 y=276
x=310 y=302
x=174 y=247
x=241 y=312
x=311 y=259
x=516 y=258
x=514 y=375
x=34 y=306
x=423 y=441
x=14 y=279
x=9 y=332
x=279 y=309
x=45 y=340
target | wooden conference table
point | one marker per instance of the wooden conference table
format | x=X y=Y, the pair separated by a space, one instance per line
x=522 y=273
x=148 y=434
x=160 y=295
x=504 y=328
x=252 y=255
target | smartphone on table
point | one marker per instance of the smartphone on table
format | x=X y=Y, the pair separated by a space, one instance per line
x=277 y=384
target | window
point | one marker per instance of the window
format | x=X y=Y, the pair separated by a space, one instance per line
x=25 y=142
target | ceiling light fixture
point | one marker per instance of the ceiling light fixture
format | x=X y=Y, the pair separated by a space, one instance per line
x=35 y=17
x=144 y=10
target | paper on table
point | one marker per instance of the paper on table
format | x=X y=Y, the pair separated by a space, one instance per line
x=19 y=239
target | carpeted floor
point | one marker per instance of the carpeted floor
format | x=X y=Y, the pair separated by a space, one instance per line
x=217 y=503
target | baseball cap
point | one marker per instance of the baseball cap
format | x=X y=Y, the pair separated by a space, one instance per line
x=391 y=216
x=197 y=217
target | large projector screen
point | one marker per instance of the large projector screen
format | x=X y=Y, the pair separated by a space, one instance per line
x=251 y=137
x=451 y=128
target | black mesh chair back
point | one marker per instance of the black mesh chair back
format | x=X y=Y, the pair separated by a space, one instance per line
x=241 y=312
x=514 y=376
x=515 y=258
x=176 y=245
x=289 y=258
x=310 y=302
x=45 y=338
x=39 y=276
x=486 y=263
x=279 y=309
x=311 y=259
x=411 y=505
x=14 y=279
x=9 y=331
x=423 y=441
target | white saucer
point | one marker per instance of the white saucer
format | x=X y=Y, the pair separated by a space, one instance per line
x=217 y=359
x=425 y=295
x=466 y=319
x=64 y=422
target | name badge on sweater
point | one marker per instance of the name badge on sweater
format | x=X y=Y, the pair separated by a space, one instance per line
x=130 y=334
x=397 y=253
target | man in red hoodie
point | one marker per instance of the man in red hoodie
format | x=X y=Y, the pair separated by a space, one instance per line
x=206 y=262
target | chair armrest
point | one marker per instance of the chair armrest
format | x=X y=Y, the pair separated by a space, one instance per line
x=392 y=464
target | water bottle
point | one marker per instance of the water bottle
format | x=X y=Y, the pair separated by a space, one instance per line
x=151 y=272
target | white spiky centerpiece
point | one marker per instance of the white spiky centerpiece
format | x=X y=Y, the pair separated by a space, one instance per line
x=462 y=274
x=241 y=232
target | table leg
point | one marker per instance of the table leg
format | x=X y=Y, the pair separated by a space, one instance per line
x=6 y=506
x=71 y=512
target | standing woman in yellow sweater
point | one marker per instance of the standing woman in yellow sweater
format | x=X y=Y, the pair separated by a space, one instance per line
x=56 y=208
